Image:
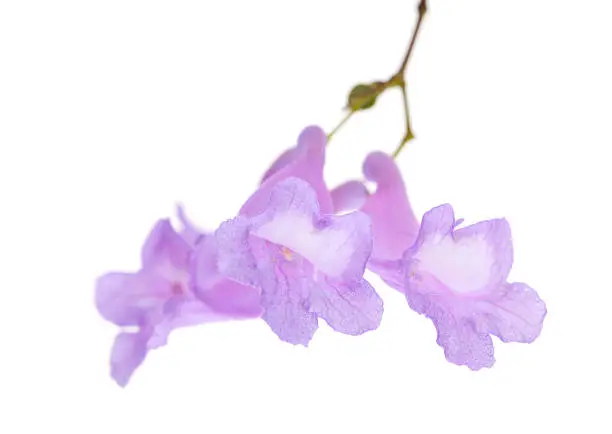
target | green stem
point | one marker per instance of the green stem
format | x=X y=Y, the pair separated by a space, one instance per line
x=409 y=135
x=342 y=122
x=422 y=11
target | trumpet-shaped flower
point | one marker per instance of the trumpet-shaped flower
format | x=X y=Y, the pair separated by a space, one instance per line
x=455 y=277
x=307 y=265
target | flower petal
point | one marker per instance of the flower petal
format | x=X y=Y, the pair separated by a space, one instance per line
x=128 y=353
x=349 y=196
x=164 y=248
x=233 y=299
x=514 y=314
x=126 y=299
x=307 y=165
x=285 y=298
x=394 y=225
x=204 y=264
x=235 y=257
x=221 y=294
x=437 y=221
x=351 y=309
x=292 y=195
x=463 y=344
x=496 y=235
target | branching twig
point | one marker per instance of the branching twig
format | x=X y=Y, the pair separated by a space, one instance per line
x=364 y=96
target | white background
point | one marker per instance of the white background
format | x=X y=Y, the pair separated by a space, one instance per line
x=112 y=111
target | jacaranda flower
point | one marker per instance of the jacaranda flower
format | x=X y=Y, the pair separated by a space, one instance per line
x=158 y=299
x=455 y=277
x=307 y=265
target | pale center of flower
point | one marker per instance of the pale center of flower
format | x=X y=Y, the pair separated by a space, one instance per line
x=329 y=249
x=463 y=266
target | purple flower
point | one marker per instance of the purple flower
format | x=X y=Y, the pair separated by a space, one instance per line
x=157 y=299
x=458 y=278
x=307 y=265
x=455 y=277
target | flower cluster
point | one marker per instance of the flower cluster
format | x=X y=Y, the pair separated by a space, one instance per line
x=297 y=252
